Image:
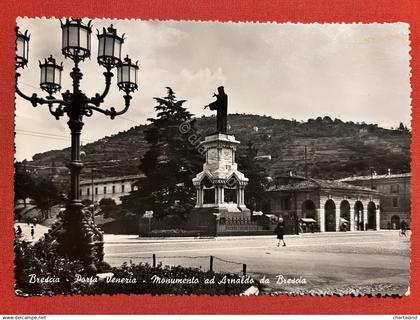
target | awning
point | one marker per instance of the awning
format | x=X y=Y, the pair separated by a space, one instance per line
x=342 y=220
x=308 y=220
x=257 y=213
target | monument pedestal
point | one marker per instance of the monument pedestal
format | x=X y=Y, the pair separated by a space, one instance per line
x=221 y=188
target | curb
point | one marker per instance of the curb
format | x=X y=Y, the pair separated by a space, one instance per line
x=246 y=237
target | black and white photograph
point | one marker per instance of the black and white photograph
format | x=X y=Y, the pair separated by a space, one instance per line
x=209 y=158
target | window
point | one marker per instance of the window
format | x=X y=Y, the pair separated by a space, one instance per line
x=122 y=188
x=395 y=188
x=96 y=190
x=87 y=191
x=113 y=189
x=395 y=202
x=104 y=190
x=81 y=193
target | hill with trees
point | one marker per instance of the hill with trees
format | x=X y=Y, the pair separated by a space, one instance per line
x=334 y=148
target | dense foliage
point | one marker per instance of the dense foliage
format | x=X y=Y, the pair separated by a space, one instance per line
x=45 y=195
x=257 y=177
x=109 y=208
x=24 y=183
x=41 y=260
x=42 y=190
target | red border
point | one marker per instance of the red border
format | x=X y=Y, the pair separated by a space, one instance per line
x=251 y=10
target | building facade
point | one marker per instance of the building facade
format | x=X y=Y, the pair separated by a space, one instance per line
x=331 y=205
x=395 y=196
x=111 y=187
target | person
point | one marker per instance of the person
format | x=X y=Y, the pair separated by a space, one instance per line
x=18 y=231
x=301 y=227
x=280 y=232
x=32 y=232
x=403 y=231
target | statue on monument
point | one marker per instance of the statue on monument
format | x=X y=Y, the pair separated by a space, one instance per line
x=221 y=106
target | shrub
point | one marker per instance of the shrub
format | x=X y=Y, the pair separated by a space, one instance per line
x=146 y=274
x=41 y=259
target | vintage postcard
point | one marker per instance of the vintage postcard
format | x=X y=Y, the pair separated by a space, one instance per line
x=209 y=158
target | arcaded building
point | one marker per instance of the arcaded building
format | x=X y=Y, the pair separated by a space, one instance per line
x=395 y=196
x=330 y=205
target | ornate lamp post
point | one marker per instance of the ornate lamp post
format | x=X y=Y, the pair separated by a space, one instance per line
x=78 y=237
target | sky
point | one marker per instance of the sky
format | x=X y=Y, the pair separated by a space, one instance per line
x=355 y=72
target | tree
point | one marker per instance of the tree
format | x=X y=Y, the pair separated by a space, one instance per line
x=24 y=183
x=45 y=195
x=170 y=163
x=108 y=207
x=401 y=127
x=257 y=176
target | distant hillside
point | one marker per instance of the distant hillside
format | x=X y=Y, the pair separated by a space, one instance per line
x=335 y=149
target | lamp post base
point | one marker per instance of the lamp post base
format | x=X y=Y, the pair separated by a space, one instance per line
x=78 y=237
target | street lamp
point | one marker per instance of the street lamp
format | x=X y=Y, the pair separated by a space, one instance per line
x=50 y=75
x=78 y=236
x=109 y=47
x=22 y=48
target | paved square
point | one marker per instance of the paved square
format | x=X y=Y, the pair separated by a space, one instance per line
x=349 y=262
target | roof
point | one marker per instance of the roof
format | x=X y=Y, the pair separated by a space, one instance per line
x=377 y=177
x=112 y=179
x=312 y=184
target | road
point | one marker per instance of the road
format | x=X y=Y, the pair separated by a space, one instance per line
x=363 y=262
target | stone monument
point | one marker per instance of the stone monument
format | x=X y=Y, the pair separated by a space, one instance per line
x=220 y=205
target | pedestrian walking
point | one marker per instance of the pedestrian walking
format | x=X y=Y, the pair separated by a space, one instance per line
x=280 y=232
x=403 y=231
x=18 y=231
x=32 y=232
